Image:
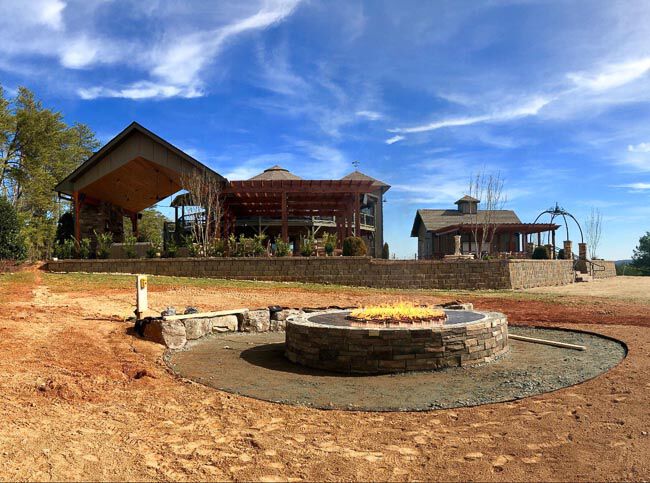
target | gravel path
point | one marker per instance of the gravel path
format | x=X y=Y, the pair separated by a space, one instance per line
x=253 y=365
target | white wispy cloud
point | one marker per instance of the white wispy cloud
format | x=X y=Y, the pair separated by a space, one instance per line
x=639 y=148
x=635 y=186
x=370 y=115
x=141 y=90
x=530 y=107
x=395 y=139
x=612 y=75
x=171 y=63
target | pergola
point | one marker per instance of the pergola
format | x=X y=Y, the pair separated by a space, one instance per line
x=284 y=198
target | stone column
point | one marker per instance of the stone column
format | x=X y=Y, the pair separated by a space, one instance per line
x=582 y=251
x=456 y=244
x=568 y=250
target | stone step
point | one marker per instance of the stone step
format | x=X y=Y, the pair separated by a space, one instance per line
x=583 y=277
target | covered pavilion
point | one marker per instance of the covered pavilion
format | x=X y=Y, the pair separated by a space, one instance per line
x=137 y=169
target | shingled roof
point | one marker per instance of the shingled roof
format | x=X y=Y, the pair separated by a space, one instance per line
x=359 y=176
x=276 y=172
x=468 y=199
x=435 y=220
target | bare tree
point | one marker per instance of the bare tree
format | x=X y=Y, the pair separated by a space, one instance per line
x=593 y=227
x=204 y=195
x=488 y=188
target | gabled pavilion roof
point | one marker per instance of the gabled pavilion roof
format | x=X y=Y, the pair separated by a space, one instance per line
x=134 y=170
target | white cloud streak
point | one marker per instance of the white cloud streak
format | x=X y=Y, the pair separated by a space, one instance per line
x=530 y=107
x=395 y=139
x=612 y=75
x=639 y=148
x=635 y=186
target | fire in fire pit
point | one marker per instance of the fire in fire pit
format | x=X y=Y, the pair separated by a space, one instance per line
x=395 y=315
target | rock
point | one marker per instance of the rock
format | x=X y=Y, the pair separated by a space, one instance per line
x=278 y=325
x=473 y=456
x=500 y=461
x=170 y=333
x=168 y=311
x=257 y=321
x=197 y=328
x=191 y=310
x=227 y=322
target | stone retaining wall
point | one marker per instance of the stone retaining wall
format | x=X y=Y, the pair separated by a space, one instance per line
x=609 y=269
x=355 y=271
x=540 y=273
x=385 y=350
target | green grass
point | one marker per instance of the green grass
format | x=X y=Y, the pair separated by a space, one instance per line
x=99 y=281
x=16 y=278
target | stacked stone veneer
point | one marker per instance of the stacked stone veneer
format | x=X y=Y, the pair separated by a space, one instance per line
x=359 y=271
x=601 y=268
x=102 y=217
x=386 y=350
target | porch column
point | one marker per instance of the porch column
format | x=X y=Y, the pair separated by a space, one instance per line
x=357 y=215
x=285 y=218
x=553 y=242
x=77 y=210
x=539 y=238
x=134 y=224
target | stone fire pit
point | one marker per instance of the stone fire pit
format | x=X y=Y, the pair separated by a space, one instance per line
x=330 y=341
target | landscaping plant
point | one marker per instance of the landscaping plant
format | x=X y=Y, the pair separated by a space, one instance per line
x=83 y=248
x=282 y=248
x=385 y=252
x=354 y=246
x=104 y=242
x=540 y=253
x=129 y=246
x=307 y=246
x=329 y=243
x=65 y=250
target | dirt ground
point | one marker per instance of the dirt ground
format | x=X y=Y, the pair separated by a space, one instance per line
x=82 y=398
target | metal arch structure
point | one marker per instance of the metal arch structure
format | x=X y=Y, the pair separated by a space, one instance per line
x=558 y=211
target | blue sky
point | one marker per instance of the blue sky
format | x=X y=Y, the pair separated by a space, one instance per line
x=554 y=95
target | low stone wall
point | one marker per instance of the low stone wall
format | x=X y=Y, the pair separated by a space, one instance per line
x=540 y=273
x=175 y=332
x=601 y=268
x=386 y=350
x=355 y=271
x=609 y=269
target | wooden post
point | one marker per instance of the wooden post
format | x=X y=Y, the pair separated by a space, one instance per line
x=357 y=216
x=539 y=238
x=285 y=218
x=77 y=211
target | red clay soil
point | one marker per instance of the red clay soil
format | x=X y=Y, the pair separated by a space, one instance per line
x=594 y=311
x=84 y=399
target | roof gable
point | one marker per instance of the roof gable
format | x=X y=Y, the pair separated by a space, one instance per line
x=67 y=184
